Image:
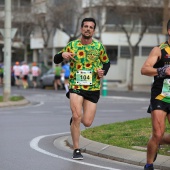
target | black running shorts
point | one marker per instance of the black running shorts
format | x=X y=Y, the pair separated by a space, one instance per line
x=25 y=77
x=34 y=78
x=92 y=96
x=57 y=77
x=17 y=77
x=158 y=105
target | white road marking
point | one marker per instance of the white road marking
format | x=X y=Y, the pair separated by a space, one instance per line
x=111 y=110
x=34 y=145
x=128 y=98
x=39 y=104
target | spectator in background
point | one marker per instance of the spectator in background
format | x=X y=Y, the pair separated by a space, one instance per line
x=12 y=77
x=66 y=70
x=1 y=73
x=57 y=72
x=17 y=73
x=35 y=71
x=25 y=72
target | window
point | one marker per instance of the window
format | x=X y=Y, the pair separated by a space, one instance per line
x=25 y=2
x=111 y=17
x=112 y=52
x=18 y=3
x=146 y=51
x=115 y=18
x=2 y=2
x=121 y=16
x=124 y=52
x=15 y=3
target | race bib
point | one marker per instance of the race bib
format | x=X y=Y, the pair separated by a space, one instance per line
x=166 y=87
x=84 y=77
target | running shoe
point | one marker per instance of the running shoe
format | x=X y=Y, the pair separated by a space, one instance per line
x=77 y=154
x=148 y=168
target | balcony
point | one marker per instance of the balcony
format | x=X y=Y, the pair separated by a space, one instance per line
x=116 y=28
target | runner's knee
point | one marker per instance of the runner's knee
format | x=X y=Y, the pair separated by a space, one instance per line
x=87 y=123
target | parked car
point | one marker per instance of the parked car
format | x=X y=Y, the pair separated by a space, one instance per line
x=47 y=79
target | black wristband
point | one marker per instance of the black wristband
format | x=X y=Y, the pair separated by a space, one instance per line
x=58 y=58
x=106 y=67
x=161 y=71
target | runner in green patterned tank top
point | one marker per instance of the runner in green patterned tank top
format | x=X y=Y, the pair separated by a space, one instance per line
x=158 y=65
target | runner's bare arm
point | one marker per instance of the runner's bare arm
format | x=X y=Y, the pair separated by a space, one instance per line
x=147 y=68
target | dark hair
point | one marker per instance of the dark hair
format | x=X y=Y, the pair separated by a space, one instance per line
x=168 y=25
x=88 y=19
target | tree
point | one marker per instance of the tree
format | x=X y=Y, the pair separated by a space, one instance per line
x=68 y=18
x=22 y=21
x=143 y=15
x=131 y=17
x=24 y=30
x=60 y=14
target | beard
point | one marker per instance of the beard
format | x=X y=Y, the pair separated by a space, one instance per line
x=86 y=37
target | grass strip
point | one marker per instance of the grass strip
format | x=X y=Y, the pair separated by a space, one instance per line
x=132 y=134
x=13 y=98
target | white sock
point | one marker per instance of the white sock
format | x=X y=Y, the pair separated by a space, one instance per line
x=66 y=87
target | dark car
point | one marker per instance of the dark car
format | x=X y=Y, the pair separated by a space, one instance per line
x=47 y=79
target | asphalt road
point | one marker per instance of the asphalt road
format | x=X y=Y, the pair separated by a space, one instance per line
x=28 y=132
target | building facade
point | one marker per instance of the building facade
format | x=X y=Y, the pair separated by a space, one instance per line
x=121 y=25
x=22 y=22
x=44 y=28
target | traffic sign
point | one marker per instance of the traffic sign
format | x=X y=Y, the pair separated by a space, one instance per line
x=13 y=32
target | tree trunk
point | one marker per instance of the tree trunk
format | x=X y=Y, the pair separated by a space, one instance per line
x=130 y=84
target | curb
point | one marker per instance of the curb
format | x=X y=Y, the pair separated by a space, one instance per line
x=119 y=154
x=14 y=103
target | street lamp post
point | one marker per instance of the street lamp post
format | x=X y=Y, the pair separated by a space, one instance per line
x=7 y=52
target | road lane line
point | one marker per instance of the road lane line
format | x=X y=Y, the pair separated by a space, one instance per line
x=34 y=145
x=128 y=98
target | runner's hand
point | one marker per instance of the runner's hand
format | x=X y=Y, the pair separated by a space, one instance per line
x=100 y=72
x=167 y=71
x=67 y=56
